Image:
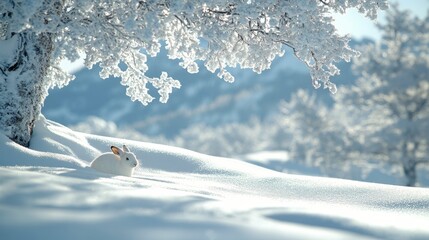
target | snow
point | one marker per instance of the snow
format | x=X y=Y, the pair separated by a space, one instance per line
x=49 y=192
x=7 y=49
x=280 y=161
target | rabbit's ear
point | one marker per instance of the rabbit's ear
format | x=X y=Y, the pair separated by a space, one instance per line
x=125 y=148
x=116 y=150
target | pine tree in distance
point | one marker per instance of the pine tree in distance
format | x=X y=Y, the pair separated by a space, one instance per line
x=36 y=35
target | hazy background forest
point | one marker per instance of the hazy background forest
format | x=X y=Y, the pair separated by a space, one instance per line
x=279 y=111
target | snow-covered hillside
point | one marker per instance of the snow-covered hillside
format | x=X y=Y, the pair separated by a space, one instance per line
x=280 y=161
x=48 y=192
x=202 y=99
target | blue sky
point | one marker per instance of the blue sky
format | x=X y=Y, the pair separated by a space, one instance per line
x=358 y=26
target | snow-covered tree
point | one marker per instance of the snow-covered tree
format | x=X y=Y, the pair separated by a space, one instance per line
x=392 y=93
x=119 y=35
x=226 y=140
x=317 y=138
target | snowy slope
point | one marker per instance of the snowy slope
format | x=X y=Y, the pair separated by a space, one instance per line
x=47 y=192
x=280 y=161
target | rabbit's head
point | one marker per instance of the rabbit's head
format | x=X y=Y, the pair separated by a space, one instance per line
x=127 y=158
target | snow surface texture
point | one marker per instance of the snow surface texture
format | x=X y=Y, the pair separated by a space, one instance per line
x=49 y=192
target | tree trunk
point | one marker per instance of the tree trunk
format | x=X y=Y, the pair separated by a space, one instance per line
x=409 y=165
x=23 y=87
x=410 y=174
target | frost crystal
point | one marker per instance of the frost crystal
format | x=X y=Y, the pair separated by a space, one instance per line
x=165 y=84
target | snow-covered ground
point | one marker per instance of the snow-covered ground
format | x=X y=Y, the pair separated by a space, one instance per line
x=280 y=161
x=49 y=192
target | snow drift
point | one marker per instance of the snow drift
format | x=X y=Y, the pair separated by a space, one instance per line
x=49 y=192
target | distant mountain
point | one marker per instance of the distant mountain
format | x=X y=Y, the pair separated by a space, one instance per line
x=203 y=97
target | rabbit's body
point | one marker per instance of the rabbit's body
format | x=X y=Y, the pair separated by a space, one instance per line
x=119 y=162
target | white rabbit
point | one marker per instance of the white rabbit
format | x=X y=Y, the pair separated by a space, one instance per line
x=120 y=162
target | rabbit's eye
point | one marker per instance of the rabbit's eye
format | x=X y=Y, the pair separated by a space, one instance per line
x=128 y=159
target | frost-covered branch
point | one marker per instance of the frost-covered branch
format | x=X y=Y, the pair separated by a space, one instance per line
x=221 y=34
